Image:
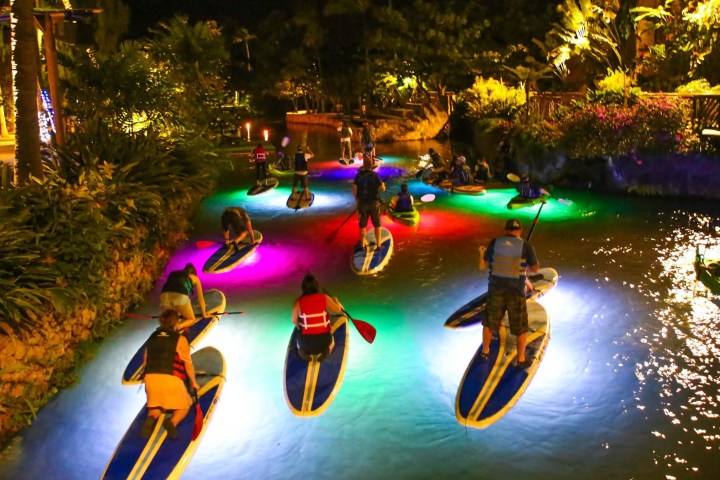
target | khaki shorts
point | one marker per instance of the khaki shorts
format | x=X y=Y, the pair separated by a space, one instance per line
x=170 y=300
x=502 y=301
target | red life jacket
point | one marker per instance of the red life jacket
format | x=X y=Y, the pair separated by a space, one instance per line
x=313 y=314
x=259 y=154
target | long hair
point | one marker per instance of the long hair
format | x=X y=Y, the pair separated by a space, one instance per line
x=169 y=319
x=190 y=269
x=310 y=285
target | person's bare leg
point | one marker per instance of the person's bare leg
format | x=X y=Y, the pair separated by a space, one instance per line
x=378 y=239
x=187 y=316
x=521 y=343
x=487 y=338
x=363 y=241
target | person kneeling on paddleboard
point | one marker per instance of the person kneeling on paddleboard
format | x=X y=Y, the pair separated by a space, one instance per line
x=239 y=220
x=168 y=366
x=176 y=293
x=311 y=315
x=509 y=257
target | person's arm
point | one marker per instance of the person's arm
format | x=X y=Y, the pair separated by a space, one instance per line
x=381 y=187
x=333 y=305
x=483 y=263
x=183 y=351
x=199 y=292
x=296 y=313
x=532 y=261
x=249 y=229
x=393 y=201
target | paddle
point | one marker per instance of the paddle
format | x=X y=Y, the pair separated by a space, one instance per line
x=330 y=238
x=137 y=315
x=535 y=221
x=210 y=243
x=197 y=426
x=367 y=331
x=516 y=179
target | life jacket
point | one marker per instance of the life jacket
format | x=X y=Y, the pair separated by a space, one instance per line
x=260 y=155
x=507 y=261
x=367 y=185
x=313 y=314
x=162 y=356
x=404 y=202
x=301 y=164
x=178 y=282
x=525 y=189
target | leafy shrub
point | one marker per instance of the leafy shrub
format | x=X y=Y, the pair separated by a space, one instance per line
x=492 y=98
x=613 y=88
x=699 y=86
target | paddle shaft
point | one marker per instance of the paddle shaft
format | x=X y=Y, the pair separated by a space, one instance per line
x=332 y=235
x=136 y=315
x=535 y=221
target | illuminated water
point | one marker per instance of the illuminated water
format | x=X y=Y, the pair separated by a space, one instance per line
x=627 y=388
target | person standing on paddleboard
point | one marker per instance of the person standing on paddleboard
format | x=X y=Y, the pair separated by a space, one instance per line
x=366 y=190
x=238 y=219
x=311 y=316
x=345 y=141
x=509 y=257
x=168 y=366
x=260 y=156
x=176 y=293
x=301 y=170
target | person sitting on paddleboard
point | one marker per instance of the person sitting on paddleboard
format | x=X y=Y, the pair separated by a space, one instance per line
x=526 y=189
x=176 y=293
x=438 y=167
x=366 y=190
x=403 y=201
x=168 y=366
x=509 y=257
x=301 y=170
x=260 y=157
x=460 y=172
x=238 y=219
x=482 y=172
x=311 y=316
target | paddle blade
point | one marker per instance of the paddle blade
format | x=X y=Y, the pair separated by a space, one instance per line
x=366 y=330
x=513 y=178
x=564 y=201
x=205 y=243
x=428 y=197
x=285 y=142
x=197 y=427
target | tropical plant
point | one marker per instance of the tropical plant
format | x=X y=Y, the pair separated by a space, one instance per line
x=492 y=98
x=615 y=88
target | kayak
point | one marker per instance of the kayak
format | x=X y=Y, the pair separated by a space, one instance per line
x=310 y=387
x=214 y=303
x=410 y=218
x=274 y=170
x=709 y=278
x=492 y=385
x=265 y=186
x=230 y=256
x=473 y=312
x=297 y=200
x=157 y=456
x=518 y=201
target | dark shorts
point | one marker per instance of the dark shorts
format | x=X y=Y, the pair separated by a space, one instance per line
x=301 y=180
x=372 y=210
x=314 y=344
x=501 y=301
x=261 y=170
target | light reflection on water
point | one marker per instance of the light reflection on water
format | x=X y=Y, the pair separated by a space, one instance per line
x=627 y=388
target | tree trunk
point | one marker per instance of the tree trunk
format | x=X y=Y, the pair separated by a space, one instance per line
x=25 y=56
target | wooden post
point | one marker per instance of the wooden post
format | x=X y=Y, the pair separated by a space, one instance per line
x=53 y=79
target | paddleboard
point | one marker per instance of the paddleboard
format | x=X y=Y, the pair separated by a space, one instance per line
x=158 y=456
x=473 y=312
x=711 y=281
x=366 y=261
x=265 y=186
x=346 y=162
x=518 y=201
x=491 y=386
x=310 y=387
x=227 y=257
x=410 y=218
x=298 y=201
x=214 y=303
x=463 y=189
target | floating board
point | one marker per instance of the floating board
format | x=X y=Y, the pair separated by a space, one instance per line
x=157 y=456
x=463 y=189
x=410 y=218
x=712 y=282
x=346 y=162
x=214 y=303
x=366 y=261
x=491 y=386
x=227 y=257
x=265 y=186
x=473 y=312
x=298 y=201
x=519 y=201
x=310 y=387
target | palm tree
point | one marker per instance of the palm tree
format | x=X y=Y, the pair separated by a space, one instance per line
x=243 y=36
x=25 y=59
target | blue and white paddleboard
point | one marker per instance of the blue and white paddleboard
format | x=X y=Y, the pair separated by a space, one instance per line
x=366 y=261
x=214 y=303
x=473 y=312
x=265 y=186
x=310 y=387
x=157 y=457
x=226 y=257
x=298 y=200
x=491 y=386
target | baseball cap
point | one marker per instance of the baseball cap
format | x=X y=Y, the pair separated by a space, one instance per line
x=513 y=224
